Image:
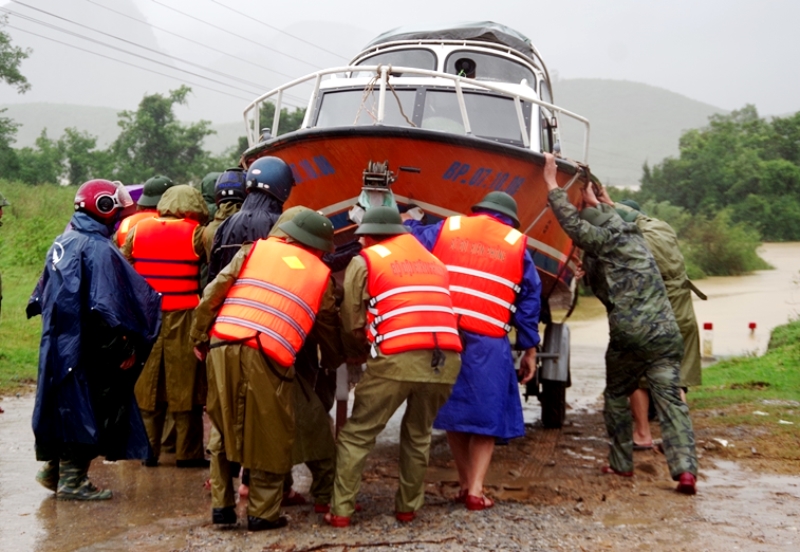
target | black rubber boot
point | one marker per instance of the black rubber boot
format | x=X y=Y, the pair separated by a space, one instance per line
x=193 y=463
x=259 y=524
x=223 y=516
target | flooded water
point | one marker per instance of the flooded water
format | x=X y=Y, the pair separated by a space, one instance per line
x=767 y=298
x=146 y=499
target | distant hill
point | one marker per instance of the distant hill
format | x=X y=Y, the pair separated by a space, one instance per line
x=97 y=121
x=631 y=123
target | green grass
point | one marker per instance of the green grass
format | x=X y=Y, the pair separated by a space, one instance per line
x=774 y=376
x=37 y=214
x=19 y=337
x=754 y=402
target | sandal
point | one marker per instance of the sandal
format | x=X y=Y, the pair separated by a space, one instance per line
x=325 y=508
x=475 y=503
x=336 y=521
x=606 y=470
x=461 y=497
x=293 y=498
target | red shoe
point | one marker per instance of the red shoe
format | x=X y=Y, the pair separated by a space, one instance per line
x=475 y=503
x=609 y=470
x=336 y=521
x=687 y=484
x=405 y=517
x=325 y=508
x=322 y=508
x=461 y=497
x=293 y=498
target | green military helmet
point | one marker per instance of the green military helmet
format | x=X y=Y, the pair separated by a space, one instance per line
x=632 y=204
x=381 y=221
x=153 y=189
x=3 y=201
x=311 y=229
x=597 y=216
x=286 y=216
x=499 y=202
x=207 y=186
x=626 y=212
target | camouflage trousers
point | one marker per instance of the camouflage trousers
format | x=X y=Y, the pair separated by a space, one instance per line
x=661 y=369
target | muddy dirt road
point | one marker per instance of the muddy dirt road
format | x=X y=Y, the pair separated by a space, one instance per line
x=550 y=493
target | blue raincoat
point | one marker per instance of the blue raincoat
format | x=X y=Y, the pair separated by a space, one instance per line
x=96 y=311
x=485 y=398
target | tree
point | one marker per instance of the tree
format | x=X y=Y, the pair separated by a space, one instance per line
x=83 y=161
x=9 y=164
x=10 y=59
x=153 y=141
x=290 y=121
x=42 y=164
x=738 y=162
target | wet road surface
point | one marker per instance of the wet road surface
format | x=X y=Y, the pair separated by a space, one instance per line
x=149 y=500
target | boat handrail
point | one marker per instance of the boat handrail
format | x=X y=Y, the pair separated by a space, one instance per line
x=252 y=115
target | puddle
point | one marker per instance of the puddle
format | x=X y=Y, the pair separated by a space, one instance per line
x=771 y=518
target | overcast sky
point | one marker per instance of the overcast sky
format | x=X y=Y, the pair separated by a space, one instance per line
x=724 y=53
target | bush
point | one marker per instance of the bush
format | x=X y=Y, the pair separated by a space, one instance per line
x=718 y=247
x=782 y=336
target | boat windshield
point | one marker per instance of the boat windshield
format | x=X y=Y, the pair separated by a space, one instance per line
x=355 y=108
x=419 y=58
x=488 y=67
x=490 y=116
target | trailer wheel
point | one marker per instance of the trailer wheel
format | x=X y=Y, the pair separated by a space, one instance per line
x=554 y=403
x=555 y=376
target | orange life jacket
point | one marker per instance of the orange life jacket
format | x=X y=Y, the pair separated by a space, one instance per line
x=275 y=300
x=130 y=222
x=485 y=260
x=410 y=306
x=163 y=252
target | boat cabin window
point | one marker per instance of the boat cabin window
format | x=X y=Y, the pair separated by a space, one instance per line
x=343 y=108
x=488 y=67
x=419 y=58
x=492 y=117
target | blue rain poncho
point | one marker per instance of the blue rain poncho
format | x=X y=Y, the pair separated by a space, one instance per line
x=486 y=398
x=96 y=311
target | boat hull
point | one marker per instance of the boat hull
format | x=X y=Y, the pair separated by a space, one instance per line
x=444 y=174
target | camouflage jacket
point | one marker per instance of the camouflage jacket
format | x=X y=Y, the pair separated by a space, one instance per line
x=623 y=275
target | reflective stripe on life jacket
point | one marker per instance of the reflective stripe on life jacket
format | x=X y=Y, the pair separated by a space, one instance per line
x=163 y=253
x=130 y=222
x=485 y=260
x=410 y=306
x=275 y=300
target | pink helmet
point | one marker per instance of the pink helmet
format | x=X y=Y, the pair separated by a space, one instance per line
x=104 y=200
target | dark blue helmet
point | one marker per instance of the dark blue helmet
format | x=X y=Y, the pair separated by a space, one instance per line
x=271 y=175
x=230 y=186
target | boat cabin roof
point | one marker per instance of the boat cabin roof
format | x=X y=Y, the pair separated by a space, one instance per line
x=486 y=31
